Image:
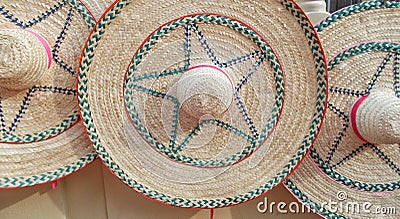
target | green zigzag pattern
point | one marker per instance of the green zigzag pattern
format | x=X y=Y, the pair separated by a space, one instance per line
x=354 y=9
x=195 y=203
x=49 y=133
x=14 y=182
x=87 y=17
x=363 y=48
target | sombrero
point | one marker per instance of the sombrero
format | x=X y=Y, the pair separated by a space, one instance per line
x=202 y=104
x=358 y=150
x=41 y=137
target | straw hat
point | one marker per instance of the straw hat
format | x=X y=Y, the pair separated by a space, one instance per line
x=41 y=136
x=175 y=95
x=358 y=149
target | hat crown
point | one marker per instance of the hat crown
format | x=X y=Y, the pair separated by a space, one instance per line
x=205 y=89
x=23 y=61
x=377 y=117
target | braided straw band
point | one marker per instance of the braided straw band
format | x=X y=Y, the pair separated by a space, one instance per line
x=26 y=57
x=375 y=118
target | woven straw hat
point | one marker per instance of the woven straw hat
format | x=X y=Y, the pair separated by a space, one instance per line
x=202 y=104
x=358 y=150
x=41 y=137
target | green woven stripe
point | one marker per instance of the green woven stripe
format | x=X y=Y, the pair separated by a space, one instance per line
x=170 y=151
x=14 y=182
x=40 y=136
x=363 y=48
x=354 y=9
x=87 y=17
x=309 y=203
x=191 y=203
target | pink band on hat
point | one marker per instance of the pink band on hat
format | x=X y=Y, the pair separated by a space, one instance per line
x=354 y=115
x=45 y=45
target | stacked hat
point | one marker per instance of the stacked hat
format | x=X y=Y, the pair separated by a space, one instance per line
x=353 y=170
x=41 y=137
x=202 y=104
